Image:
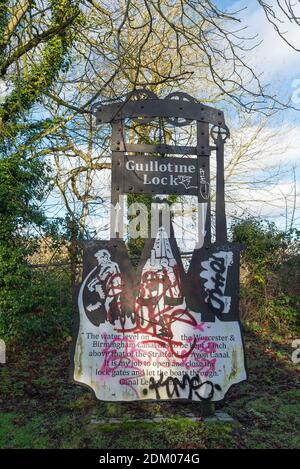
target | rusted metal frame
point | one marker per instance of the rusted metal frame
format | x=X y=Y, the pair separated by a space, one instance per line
x=117 y=191
x=203 y=155
x=221 y=225
x=163 y=108
x=160 y=148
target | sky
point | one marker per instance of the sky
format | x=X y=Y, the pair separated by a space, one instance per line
x=278 y=63
x=279 y=66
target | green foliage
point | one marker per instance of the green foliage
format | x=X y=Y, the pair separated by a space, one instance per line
x=183 y=433
x=135 y=246
x=22 y=186
x=269 y=253
x=13 y=435
x=275 y=417
x=49 y=314
x=265 y=246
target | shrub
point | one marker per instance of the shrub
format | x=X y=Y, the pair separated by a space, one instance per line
x=266 y=296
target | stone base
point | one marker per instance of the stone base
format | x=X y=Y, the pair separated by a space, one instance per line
x=218 y=416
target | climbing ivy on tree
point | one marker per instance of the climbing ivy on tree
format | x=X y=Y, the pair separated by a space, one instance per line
x=30 y=69
x=22 y=186
x=35 y=38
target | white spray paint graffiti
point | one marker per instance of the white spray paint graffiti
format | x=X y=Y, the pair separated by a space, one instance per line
x=164 y=350
x=215 y=271
x=107 y=284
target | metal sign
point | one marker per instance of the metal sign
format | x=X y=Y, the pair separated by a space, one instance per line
x=164 y=175
x=157 y=331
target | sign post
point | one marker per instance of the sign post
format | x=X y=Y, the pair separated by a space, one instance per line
x=159 y=332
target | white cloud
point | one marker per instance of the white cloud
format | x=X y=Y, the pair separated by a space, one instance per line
x=273 y=56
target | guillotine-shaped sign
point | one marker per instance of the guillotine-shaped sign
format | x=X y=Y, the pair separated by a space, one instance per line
x=157 y=331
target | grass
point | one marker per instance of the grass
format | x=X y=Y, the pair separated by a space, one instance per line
x=41 y=409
